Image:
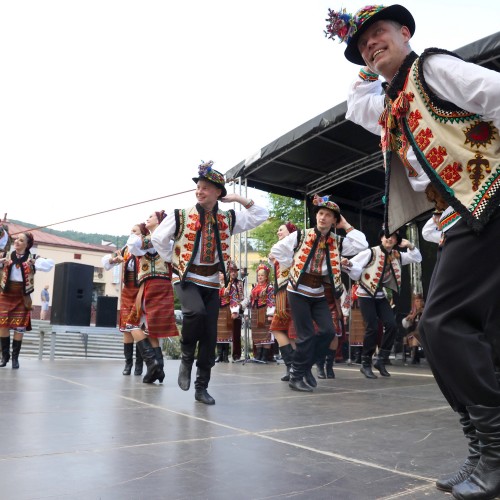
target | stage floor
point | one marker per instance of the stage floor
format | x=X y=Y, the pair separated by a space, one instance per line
x=78 y=429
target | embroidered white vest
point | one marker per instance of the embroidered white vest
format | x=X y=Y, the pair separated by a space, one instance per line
x=188 y=239
x=373 y=273
x=304 y=253
x=458 y=150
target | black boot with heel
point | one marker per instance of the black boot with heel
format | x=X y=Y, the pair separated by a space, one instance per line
x=287 y=353
x=471 y=461
x=5 y=345
x=484 y=482
x=16 y=349
x=128 y=352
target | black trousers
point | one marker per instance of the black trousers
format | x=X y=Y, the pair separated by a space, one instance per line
x=309 y=345
x=200 y=310
x=372 y=311
x=460 y=325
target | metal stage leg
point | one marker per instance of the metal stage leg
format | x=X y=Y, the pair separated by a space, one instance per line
x=246 y=357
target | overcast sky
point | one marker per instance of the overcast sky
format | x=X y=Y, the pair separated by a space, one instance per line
x=105 y=103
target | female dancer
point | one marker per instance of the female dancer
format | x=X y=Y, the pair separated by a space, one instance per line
x=152 y=316
x=282 y=325
x=130 y=287
x=16 y=284
x=263 y=306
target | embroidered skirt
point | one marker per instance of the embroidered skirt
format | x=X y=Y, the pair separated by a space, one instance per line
x=154 y=306
x=127 y=303
x=15 y=308
x=356 y=328
x=282 y=319
x=260 y=326
x=225 y=325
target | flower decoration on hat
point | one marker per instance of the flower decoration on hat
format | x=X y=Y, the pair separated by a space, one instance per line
x=325 y=202
x=206 y=171
x=341 y=25
x=348 y=27
x=344 y=25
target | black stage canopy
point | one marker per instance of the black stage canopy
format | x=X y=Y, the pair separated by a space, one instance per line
x=330 y=154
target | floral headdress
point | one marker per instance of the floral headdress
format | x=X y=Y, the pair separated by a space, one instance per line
x=205 y=171
x=263 y=267
x=348 y=27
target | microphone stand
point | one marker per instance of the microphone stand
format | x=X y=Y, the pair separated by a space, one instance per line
x=246 y=325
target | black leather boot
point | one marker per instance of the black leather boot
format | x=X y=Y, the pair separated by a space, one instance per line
x=201 y=385
x=128 y=352
x=16 y=349
x=320 y=367
x=330 y=358
x=186 y=366
x=298 y=384
x=5 y=344
x=159 y=358
x=225 y=353
x=149 y=356
x=260 y=353
x=383 y=355
x=467 y=468
x=366 y=367
x=484 y=482
x=415 y=356
x=139 y=362
x=218 y=359
x=287 y=353
x=357 y=355
x=309 y=378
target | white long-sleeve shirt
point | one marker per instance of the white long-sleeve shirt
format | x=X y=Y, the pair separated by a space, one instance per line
x=467 y=85
x=162 y=238
x=41 y=264
x=360 y=261
x=431 y=232
x=282 y=251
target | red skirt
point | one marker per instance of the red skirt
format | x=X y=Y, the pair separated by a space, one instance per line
x=154 y=306
x=127 y=305
x=282 y=319
x=15 y=308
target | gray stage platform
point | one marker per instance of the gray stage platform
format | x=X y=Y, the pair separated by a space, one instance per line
x=76 y=429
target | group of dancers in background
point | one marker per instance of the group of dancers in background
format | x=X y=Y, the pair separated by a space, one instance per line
x=295 y=303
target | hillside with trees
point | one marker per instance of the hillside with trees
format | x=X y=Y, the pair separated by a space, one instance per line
x=91 y=238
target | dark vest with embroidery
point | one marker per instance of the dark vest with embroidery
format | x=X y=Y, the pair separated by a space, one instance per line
x=27 y=266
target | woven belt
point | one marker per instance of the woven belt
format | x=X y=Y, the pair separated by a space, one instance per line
x=435 y=197
x=311 y=280
x=204 y=270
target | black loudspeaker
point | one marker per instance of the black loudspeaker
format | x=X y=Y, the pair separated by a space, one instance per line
x=72 y=294
x=106 y=311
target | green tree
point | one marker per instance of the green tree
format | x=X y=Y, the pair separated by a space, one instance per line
x=281 y=210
